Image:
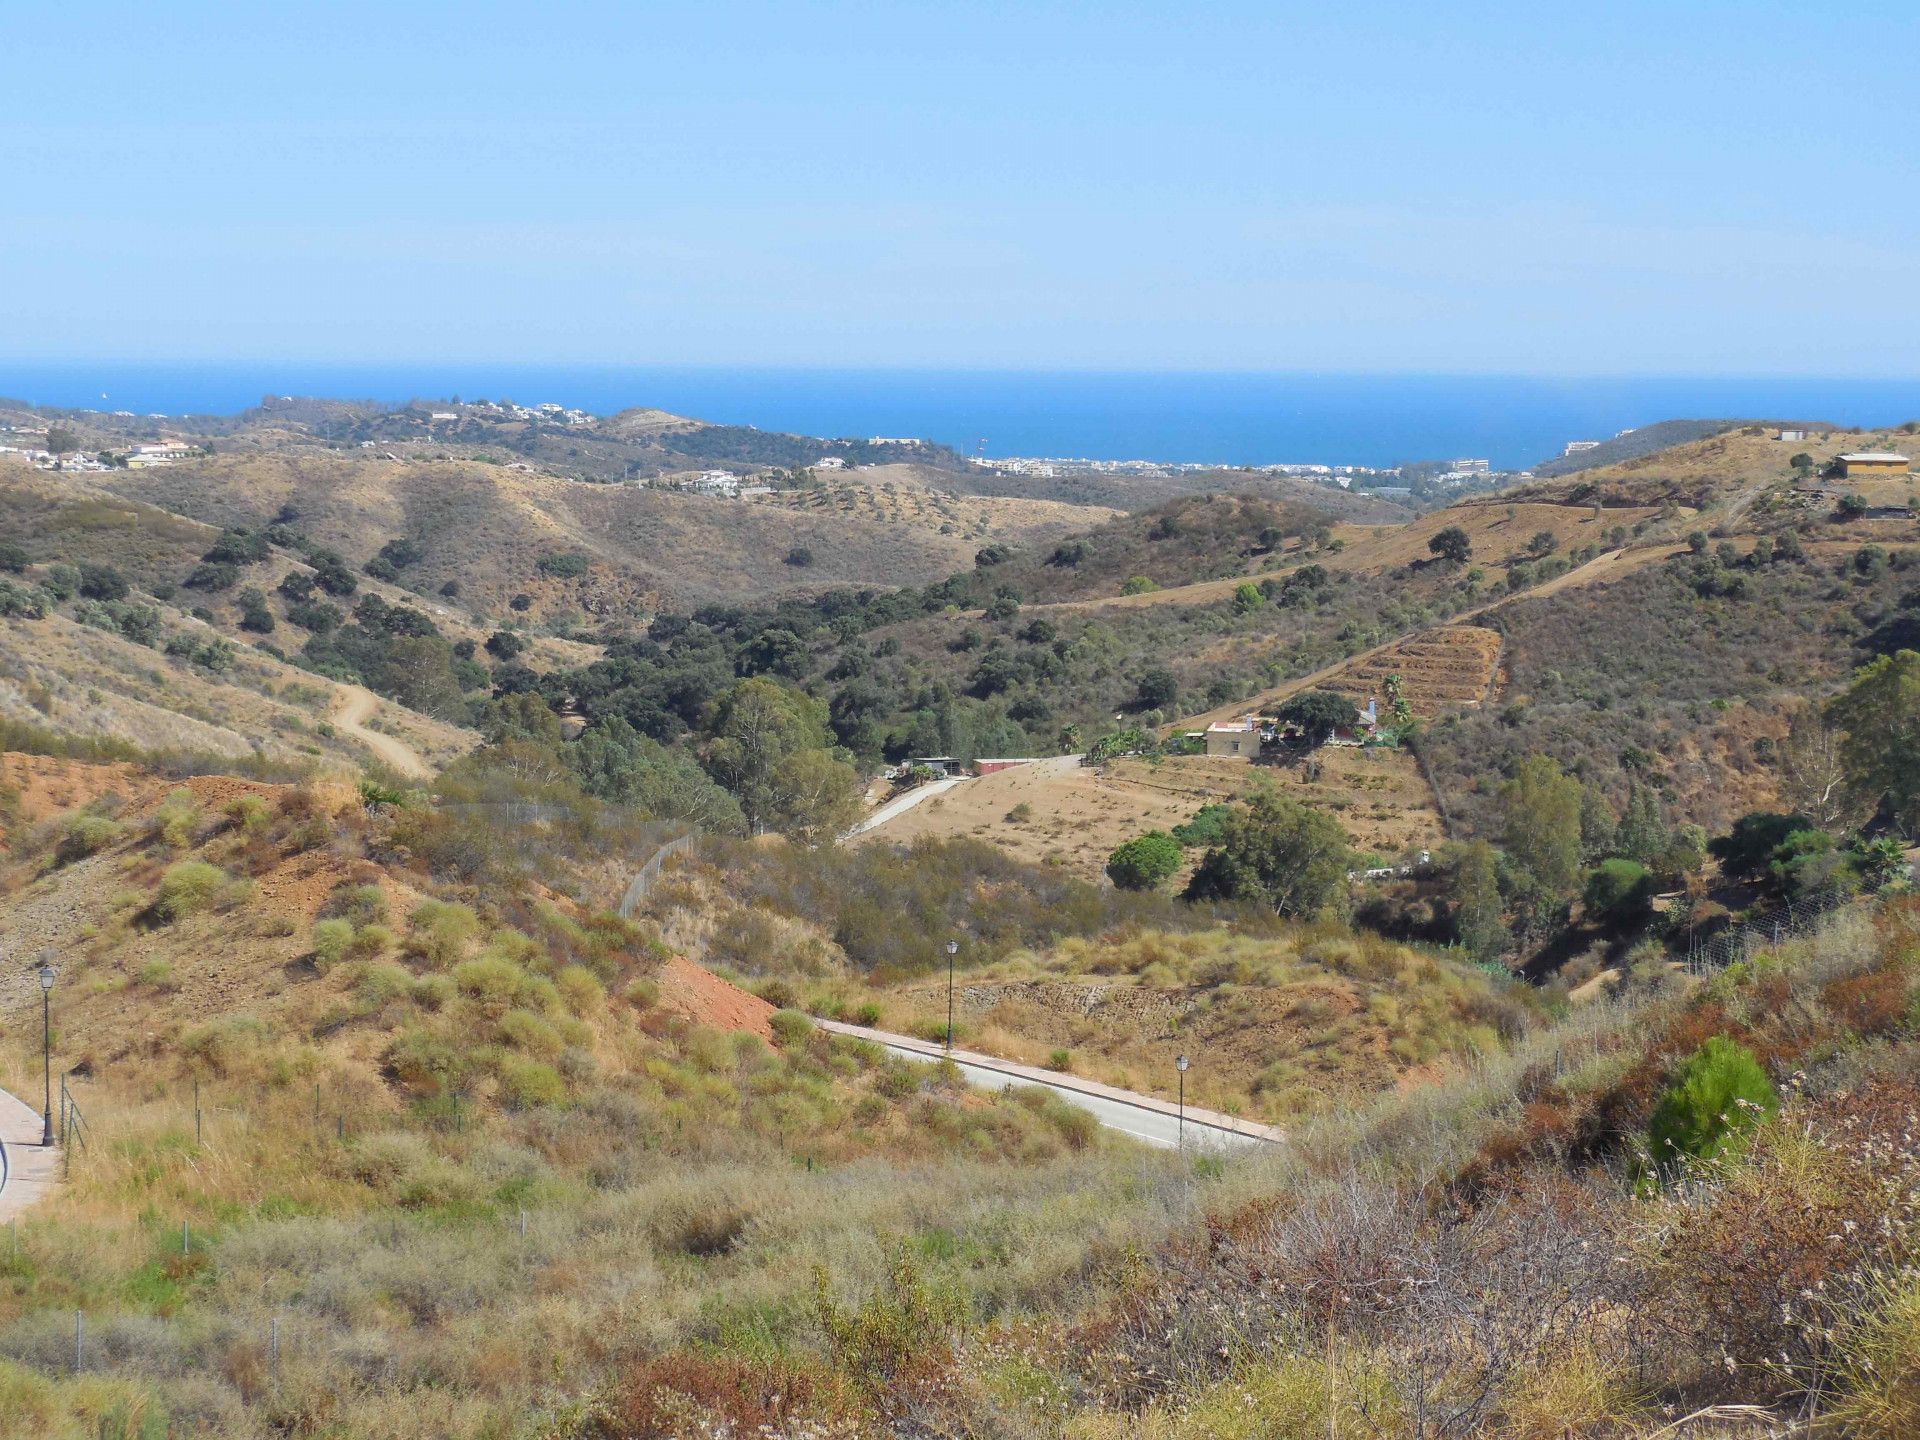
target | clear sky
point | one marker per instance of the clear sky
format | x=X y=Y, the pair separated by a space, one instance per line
x=1536 y=186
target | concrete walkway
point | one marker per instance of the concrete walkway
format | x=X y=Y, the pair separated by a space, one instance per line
x=31 y=1169
x=1145 y=1117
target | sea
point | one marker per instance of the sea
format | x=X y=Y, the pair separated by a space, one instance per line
x=1228 y=418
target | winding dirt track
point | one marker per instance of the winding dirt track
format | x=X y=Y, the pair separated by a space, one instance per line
x=353 y=707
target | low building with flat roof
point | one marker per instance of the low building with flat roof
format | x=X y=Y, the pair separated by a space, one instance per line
x=1873 y=464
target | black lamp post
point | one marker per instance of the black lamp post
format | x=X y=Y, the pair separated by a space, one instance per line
x=953 y=949
x=46 y=1043
x=1180 y=1064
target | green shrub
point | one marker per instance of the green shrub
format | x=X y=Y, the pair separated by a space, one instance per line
x=581 y=990
x=1720 y=1094
x=440 y=932
x=175 y=820
x=188 y=888
x=370 y=942
x=1145 y=861
x=791 y=1027
x=1061 y=1060
x=1619 y=892
x=642 y=993
x=867 y=1015
x=524 y=1030
x=330 y=941
x=527 y=1083
x=492 y=980
x=85 y=835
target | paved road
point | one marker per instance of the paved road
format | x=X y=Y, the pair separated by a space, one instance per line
x=1144 y=1117
x=30 y=1169
x=900 y=804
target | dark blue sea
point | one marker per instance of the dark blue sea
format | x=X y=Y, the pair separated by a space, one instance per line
x=1227 y=418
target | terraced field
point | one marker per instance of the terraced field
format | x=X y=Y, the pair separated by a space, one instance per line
x=1439 y=669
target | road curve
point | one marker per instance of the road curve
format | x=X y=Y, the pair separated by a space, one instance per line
x=1144 y=1117
x=353 y=706
x=900 y=804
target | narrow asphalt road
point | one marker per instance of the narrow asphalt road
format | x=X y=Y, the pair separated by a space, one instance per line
x=1144 y=1117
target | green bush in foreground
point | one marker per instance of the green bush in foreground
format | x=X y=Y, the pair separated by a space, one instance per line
x=1720 y=1094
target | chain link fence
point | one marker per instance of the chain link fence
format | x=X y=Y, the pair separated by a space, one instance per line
x=1797 y=917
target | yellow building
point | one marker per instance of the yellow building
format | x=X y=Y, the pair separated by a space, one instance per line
x=1873 y=465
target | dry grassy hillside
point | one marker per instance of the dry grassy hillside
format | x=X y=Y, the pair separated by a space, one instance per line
x=1700 y=471
x=488 y=527
x=916 y=497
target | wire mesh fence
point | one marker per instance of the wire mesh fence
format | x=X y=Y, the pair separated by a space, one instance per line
x=1797 y=917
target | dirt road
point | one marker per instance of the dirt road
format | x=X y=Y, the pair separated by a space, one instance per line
x=1600 y=570
x=353 y=707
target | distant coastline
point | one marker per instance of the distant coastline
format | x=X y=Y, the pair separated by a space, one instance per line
x=1173 y=417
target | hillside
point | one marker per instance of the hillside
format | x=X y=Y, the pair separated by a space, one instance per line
x=1697 y=472
x=487 y=529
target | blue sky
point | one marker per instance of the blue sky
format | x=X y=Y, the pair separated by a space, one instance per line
x=1622 y=188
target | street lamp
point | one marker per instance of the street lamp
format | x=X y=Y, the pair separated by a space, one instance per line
x=1180 y=1064
x=953 y=949
x=46 y=1041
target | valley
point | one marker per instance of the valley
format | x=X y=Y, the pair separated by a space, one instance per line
x=328 y=766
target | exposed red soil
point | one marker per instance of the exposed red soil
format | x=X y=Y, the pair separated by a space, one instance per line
x=704 y=998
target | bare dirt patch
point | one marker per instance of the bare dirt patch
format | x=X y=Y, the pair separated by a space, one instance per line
x=699 y=995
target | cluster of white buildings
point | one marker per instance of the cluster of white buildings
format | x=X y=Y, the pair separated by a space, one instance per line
x=138 y=457
x=548 y=410
x=722 y=484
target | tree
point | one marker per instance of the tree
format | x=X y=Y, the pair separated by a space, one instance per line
x=1158 y=689
x=1619 y=892
x=772 y=748
x=1643 y=827
x=61 y=440
x=13 y=558
x=1143 y=862
x=1540 y=822
x=1247 y=598
x=1813 y=770
x=1880 y=713
x=1801 y=462
x=1397 y=705
x=1452 y=545
x=800 y=557
x=102 y=582
x=1597 y=826
x=1275 y=851
x=255 y=615
x=1542 y=544
x=1479 y=922
x=1319 y=713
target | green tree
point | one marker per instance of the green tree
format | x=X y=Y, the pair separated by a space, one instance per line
x=1453 y=545
x=1319 y=713
x=1880 y=713
x=1479 y=922
x=1247 y=598
x=1643 y=827
x=1144 y=861
x=1540 y=822
x=1597 y=826
x=61 y=440
x=773 y=750
x=1276 y=851
x=1158 y=689
x=1619 y=892
x=1720 y=1094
